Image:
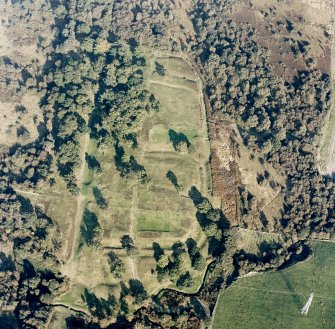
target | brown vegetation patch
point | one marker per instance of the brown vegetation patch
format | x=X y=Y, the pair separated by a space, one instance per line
x=225 y=174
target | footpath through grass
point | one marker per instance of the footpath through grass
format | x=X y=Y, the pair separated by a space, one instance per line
x=274 y=300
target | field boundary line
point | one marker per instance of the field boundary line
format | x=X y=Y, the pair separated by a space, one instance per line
x=283 y=292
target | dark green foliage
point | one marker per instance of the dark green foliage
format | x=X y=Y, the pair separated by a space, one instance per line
x=128 y=167
x=197 y=260
x=185 y=281
x=169 y=267
x=137 y=291
x=36 y=291
x=158 y=251
x=116 y=265
x=74 y=78
x=128 y=243
x=26 y=164
x=212 y=221
x=90 y=228
x=124 y=99
x=99 y=198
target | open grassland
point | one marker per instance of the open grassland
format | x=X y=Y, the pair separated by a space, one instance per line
x=157 y=212
x=253 y=241
x=274 y=300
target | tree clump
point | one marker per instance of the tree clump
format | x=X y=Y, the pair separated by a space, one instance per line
x=116 y=265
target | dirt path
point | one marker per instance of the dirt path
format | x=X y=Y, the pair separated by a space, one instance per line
x=132 y=231
x=167 y=84
x=27 y=192
x=74 y=232
x=52 y=194
x=327 y=158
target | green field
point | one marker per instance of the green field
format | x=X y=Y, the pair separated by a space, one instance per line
x=274 y=300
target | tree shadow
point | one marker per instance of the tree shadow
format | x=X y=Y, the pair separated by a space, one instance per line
x=198 y=308
x=128 y=166
x=74 y=322
x=159 y=68
x=267 y=249
x=92 y=163
x=90 y=228
x=195 y=195
x=177 y=249
x=212 y=221
x=178 y=138
x=6 y=263
x=173 y=179
x=158 y=250
x=100 y=307
x=216 y=246
x=127 y=242
x=191 y=245
x=8 y=321
x=263 y=219
x=99 y=198
x=26 y=206
x=295 y=296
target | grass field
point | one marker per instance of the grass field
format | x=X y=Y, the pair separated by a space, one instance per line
x=157 y=212
x=274 y=300
x=250 y=241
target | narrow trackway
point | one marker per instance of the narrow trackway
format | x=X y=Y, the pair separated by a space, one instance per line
x=53 y=194
x=132 y=231
x=171 y=85
x=74 y=232
x=27 y=192
x=328 y=161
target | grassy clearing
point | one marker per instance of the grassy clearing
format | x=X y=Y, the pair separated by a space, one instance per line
x=251 y=241
x=157 y=222
x=73 y=298
x=177 y=68
x=274 y=300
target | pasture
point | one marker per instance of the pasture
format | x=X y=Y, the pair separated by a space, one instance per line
x=274 y=300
